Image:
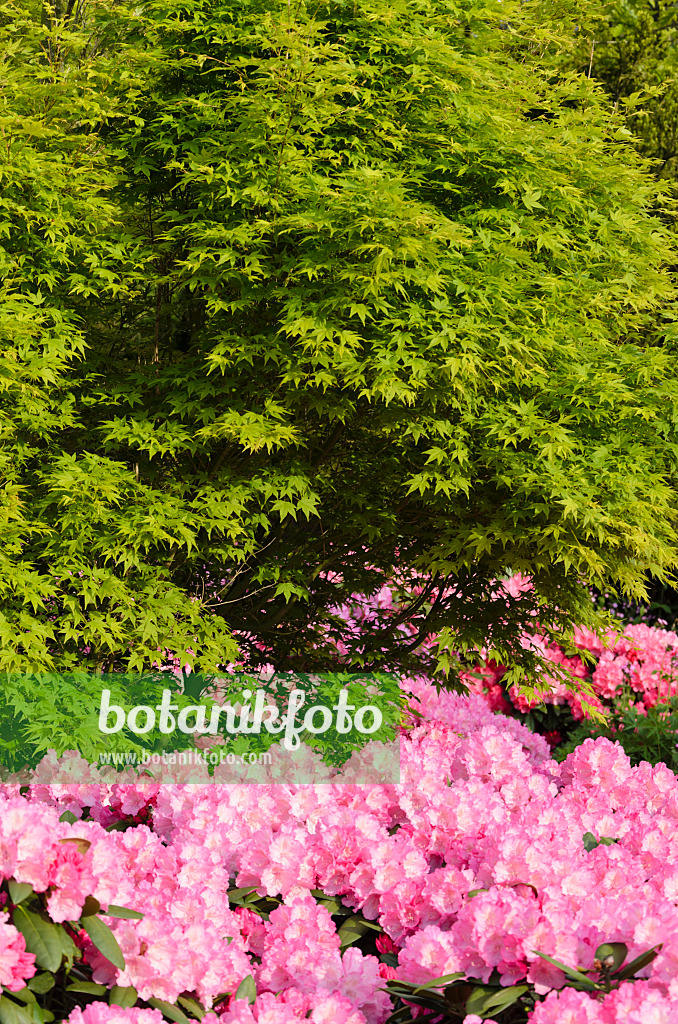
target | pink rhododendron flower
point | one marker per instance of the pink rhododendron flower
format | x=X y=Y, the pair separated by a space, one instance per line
x=16 y=965
x=102 y=1013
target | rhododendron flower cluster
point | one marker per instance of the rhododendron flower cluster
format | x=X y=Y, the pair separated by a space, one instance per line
x=472 y=863
x=102 y=1013
x=642 y=658
x=637 y=1003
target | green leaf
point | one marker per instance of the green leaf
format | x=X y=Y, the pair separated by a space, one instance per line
x=12 y=1013
x=236 y=897
x=247 y=989
x=193 y=1006
x=82 y=845
x=353 y=929
x=124 y=912
x=43 y=938
x=41 y=1014
x=401 y=1016
x=89 y=988
x=170 y=1011
x=486 y=1001
x=68 y=947
x=391 y=959
x=91 y=906
x=590 y=841
x=123 y=995
x=41 y=983
x=19 y=891
x=24 y=995
x=69 y=817
x=104 y=940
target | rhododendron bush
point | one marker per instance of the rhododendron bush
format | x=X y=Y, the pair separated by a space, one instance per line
x=642 y=659
x=632 y=671
x=636 y=660
x=281 y=903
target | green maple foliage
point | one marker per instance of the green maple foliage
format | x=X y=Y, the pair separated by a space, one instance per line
x=315 y=297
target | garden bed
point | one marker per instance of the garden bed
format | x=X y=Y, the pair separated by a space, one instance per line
x=486 y=860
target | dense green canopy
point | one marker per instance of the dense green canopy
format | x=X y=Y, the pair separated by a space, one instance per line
x=300 y=298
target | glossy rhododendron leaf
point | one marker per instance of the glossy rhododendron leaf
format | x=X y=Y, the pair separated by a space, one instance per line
x=403 y=1015
x=193 y=1006
x=124 y=912
x=332 y=904
x=43 y=937
x=353 y=929
x=91 y=906
x=19 y=891
x=485 y=1001
x=104 y=940
x=88 y=988
x=12 y=1013
x=24 y=995
x=590 y=841
x=68 y=947
x=237 y=896
x=123 y=995
x=41 y=983
x=170 y=1011
x=247 y=989
x=391 y=959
